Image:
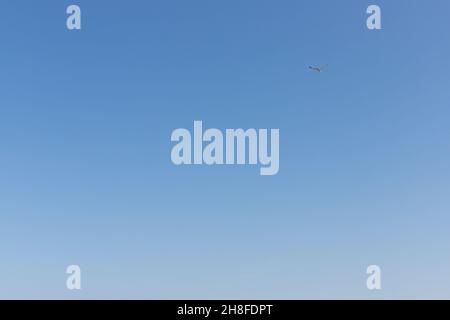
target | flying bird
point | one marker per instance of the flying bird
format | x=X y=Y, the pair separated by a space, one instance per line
x=316 y=69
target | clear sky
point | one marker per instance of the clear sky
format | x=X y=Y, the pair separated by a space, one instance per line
x=86 y=176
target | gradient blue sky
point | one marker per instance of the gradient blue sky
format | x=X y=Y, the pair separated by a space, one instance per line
x=85 y=170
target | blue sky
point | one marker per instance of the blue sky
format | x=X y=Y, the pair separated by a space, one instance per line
x=85 y=170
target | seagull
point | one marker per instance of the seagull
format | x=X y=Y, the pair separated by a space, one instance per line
x=316 y=69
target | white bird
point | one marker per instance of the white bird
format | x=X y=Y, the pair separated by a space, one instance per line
x=316 y=69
